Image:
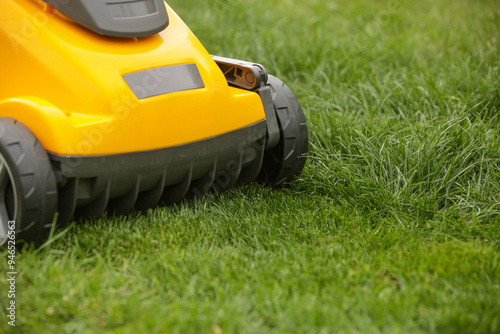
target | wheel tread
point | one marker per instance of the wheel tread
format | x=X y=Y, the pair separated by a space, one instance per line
x=33 y=179
x=284 y=162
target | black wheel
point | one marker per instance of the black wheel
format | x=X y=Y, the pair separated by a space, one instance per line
x=28 y=189
x=285 y=161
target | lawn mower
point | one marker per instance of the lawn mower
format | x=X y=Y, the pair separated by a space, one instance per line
x=114 y=105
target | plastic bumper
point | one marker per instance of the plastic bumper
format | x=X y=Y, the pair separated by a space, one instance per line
x=90 y=185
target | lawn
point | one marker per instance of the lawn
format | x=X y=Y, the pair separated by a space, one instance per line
x=393 y=227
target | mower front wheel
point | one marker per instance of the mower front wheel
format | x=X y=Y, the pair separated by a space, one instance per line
x=287 y=159
x=28 y=189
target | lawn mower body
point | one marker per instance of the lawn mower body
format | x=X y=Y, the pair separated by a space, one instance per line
x=130 y=109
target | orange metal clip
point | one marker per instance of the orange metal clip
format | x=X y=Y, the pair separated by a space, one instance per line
x=48 y=8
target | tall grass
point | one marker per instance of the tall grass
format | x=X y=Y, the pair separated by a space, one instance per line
x=392 y=228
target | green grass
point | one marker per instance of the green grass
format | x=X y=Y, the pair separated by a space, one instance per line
x=394 y=226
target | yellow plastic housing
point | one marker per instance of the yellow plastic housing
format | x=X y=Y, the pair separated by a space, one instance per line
x=65 y=83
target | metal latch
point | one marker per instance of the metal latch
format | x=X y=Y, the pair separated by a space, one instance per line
x=252 y=77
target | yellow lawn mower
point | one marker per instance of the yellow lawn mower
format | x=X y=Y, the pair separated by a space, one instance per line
x=114 y=105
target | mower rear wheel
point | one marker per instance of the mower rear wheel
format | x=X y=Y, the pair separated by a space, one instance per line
x=28 y=189
x=285 y=161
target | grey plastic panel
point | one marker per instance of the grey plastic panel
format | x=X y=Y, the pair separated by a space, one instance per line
x=117 y=18
x=164 y=80
x=273 y=130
